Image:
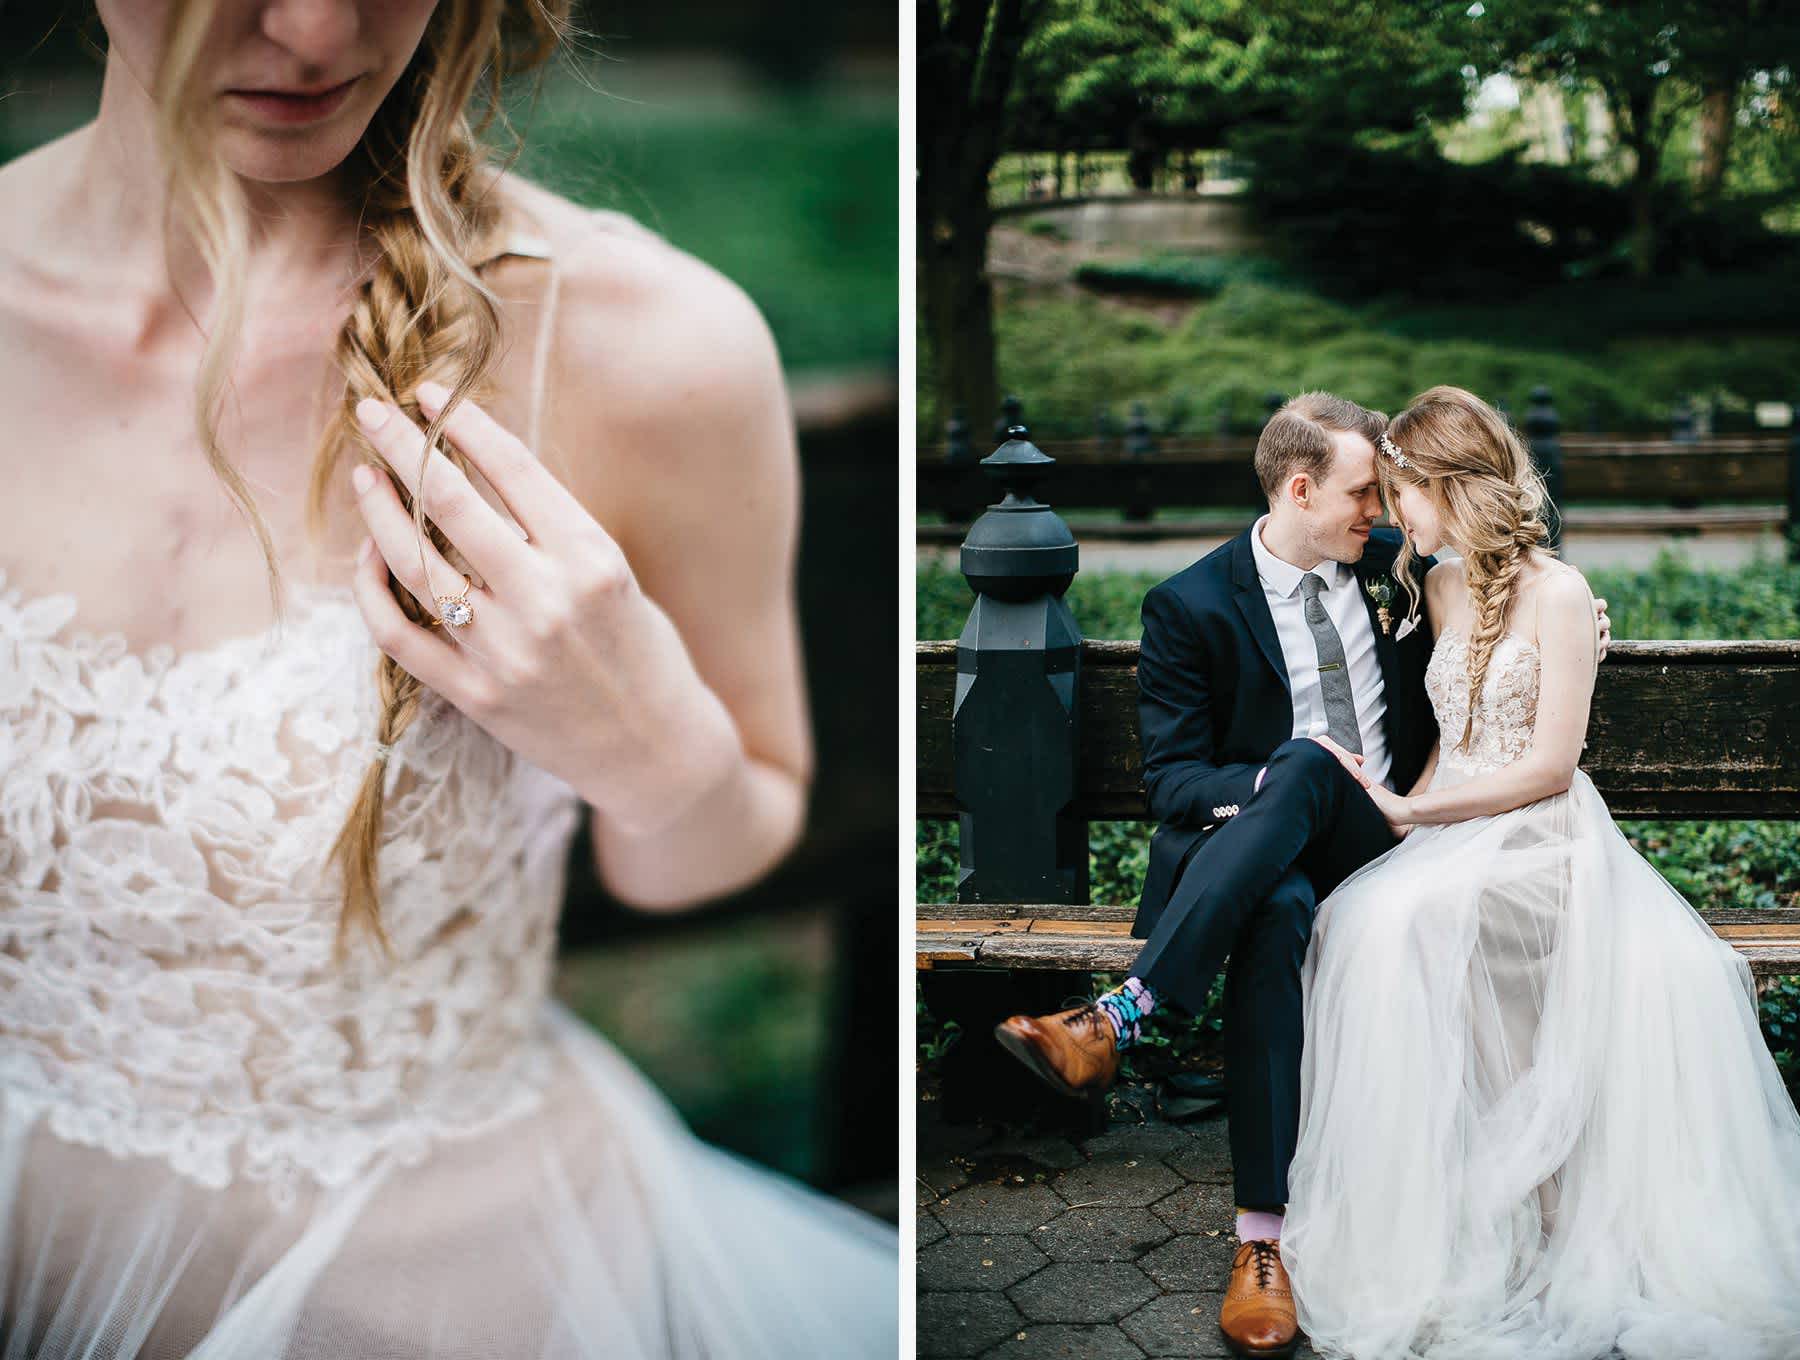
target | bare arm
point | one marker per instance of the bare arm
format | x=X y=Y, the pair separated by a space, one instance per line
x=680 y=422
x=1423 y=782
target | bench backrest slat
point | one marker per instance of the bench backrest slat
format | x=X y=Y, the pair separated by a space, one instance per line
x=1679 y=729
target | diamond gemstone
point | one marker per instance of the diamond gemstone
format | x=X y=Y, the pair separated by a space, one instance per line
x=457 y=612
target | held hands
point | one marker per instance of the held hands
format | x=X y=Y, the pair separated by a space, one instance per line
x=1350 y=760
x=1390 y=804
x=566 y=660
x=1396 y=809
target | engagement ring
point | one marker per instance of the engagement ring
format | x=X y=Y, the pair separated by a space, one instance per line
x=455 y=610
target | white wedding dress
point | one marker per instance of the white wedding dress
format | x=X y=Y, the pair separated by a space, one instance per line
x=214 y=1142
x=1538 y=1118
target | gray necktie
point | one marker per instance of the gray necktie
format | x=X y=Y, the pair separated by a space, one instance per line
x=1334 y=672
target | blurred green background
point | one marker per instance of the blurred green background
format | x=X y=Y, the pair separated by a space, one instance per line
x=764 y=140
x=1194 y=204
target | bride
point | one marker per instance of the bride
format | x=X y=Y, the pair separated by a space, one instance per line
x=280 y=1075
x=1538 y=1118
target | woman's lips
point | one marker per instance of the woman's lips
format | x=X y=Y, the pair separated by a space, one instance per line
x=294 y=108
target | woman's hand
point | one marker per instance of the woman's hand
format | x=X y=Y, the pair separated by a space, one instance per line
x=566 y=661
x=1396 y=809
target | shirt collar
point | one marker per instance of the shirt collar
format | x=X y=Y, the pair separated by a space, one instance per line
x=1284 y=577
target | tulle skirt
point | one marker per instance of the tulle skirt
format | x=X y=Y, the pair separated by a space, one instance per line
x=595 y=1226
x=1538 y=1117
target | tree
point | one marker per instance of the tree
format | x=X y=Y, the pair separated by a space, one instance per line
x=968 y=52
x=1651 y=60
x=1120 y=73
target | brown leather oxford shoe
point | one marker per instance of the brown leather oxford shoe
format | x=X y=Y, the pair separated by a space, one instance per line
x=1257 y=1316
x=1075 y=1051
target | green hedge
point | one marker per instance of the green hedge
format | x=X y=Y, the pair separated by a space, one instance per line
x=1171 y=275
x=1599 y=349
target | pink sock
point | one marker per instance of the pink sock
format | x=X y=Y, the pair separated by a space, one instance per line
x=1252 y=1224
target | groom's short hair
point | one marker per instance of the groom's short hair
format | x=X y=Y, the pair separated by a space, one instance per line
x=1298 y=437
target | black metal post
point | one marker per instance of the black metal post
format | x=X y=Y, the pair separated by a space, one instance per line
x=1103 y=426
x=1681 y=421
x=1018 y=664
x=957 y=450
x=1543 y=432
x=1682 y=431
x=1015 y=737
x=1139 y=446
x=1793 y=496
x=963 y=501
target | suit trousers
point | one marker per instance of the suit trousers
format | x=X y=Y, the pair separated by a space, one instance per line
x=1250 y=892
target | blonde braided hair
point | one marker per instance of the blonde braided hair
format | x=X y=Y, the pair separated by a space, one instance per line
x=1489 y=496
x=424 y=185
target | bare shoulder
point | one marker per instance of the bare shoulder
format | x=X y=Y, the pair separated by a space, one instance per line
x=1563 y=579
x=650 y=329
x=1447 y=574
x=34 y=257
x=665 y=402
x=1558 y=591
x=664 y=379
x=23 y=183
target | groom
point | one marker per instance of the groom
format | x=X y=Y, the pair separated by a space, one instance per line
x=1278 y=677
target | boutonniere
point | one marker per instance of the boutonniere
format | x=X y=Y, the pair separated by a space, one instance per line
x=1381 y=590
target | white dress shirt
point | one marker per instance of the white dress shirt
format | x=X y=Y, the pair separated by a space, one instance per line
x=1342 y=598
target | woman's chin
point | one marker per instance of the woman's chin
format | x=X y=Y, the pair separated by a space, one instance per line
x=266 y=157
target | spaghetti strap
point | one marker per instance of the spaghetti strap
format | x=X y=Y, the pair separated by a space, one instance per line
x=532 y=247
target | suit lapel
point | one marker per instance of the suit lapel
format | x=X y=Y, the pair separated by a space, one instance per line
x=1254 y=606
x=1387 y=650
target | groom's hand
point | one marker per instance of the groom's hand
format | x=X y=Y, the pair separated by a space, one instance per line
x=1348 y=759
x=1605 y=624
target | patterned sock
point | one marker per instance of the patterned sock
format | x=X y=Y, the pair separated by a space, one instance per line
x=1252 y=1223
x=1125 y=1006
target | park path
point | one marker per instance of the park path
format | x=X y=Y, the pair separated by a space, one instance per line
x=1632 y=552
x=1040 y=1247
x=1115 y=1248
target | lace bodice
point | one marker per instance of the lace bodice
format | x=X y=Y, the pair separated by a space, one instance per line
x=167 y=986
x=1505 y=716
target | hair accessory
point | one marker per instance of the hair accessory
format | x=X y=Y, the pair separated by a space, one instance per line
x=1392 y=450
x=383 y=749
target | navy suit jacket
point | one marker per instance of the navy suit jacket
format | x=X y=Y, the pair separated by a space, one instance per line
x=1213 y=700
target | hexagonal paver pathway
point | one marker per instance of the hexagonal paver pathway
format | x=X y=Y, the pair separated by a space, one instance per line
x=1034 y=1247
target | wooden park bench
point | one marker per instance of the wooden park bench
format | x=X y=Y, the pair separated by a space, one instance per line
x=1049 y=743
x=1688 y=730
